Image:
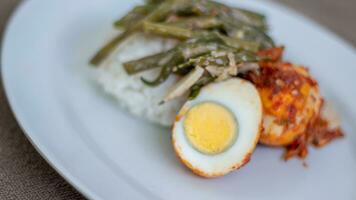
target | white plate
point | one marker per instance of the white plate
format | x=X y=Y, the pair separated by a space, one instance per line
x=107 y=154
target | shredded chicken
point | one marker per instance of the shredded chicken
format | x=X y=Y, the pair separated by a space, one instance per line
x=184 y=84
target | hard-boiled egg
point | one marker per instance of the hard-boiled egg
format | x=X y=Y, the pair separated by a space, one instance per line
x=217 y=132
x=290 y=98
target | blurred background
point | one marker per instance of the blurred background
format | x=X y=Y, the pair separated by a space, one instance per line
x=24 y=174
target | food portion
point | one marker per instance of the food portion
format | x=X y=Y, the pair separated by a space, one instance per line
x=213 y=72
x=217 y=131
x=290 y=99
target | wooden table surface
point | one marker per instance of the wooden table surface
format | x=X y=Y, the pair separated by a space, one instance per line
x=23 y=172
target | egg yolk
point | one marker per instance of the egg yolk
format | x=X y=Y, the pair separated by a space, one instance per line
x=210 y=127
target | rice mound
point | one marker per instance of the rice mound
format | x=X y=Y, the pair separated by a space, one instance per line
x=131 y=93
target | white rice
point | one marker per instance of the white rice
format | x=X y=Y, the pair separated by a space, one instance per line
x=131 y=93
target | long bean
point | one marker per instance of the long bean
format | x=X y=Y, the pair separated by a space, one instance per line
x=195 y=47
x=187 y=50
x=253 y=34
x=154 y=1
x=239 y=15
x=182 y=33
x=167 y=30
x=217 y=58
x=160 y=12
x=135 y=15
x=109 y=48
x=195 y=22
x=254 y=18
x=165 y=71
x=146 y=63
x=195 y=89
x=176 y=56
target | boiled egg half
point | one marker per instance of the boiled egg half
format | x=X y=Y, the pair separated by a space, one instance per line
x=217 y=132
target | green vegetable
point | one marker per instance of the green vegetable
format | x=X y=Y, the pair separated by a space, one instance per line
x=146 y=63
x=167 y=30
x=166 y=70
x=154 y=1
x=246 y=32
x=217 y=58
x=185 y=19
x=197 y=46
x=160 y=12
x=239 y=15
x=195 y=89
x=135 y=15
x=184 y=50
x=109 y=48
x=254 y=18
x=174 y=57
x=238 y=43
x=196 y=23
